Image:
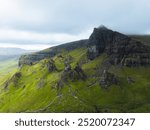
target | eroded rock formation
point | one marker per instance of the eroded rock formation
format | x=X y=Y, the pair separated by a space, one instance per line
x=50 y=65
x=107 y=79
x=120 y=48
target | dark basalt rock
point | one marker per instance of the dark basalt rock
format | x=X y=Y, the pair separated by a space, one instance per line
x=80 y=72
x=70 y=74
x=120 y=48
x=50 y=65
x=108 y=79
x=68 y=60
x=17 y=75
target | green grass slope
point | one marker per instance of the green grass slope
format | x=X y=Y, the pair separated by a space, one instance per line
x=7 y=68
x=35 y=89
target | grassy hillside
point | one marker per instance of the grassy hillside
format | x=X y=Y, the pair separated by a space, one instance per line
x=34 y=89
x=7 y=68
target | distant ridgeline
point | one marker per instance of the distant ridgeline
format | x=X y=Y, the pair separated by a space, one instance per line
x=50 y=52
x=120 y=49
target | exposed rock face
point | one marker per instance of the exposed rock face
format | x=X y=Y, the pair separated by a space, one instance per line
x=29 y=59
x=67 y=66
x=32 y=58
x=130 y=80
x=50 y=65
x=17 y=75
x=120 y=48
x=108 y=79
x=80 y=72
x=67 y=62
x=71 y=74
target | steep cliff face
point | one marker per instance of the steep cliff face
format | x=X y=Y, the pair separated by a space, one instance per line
x=50 y=52
x=120 y=48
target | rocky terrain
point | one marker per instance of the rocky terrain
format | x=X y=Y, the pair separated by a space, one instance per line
x=109 y=72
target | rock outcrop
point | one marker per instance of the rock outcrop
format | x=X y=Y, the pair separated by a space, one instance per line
x=120 y=48
x=80 y=72
x=108 y=79
x=50 y=65
x=73 y=74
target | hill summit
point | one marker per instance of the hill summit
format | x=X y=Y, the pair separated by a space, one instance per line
x=120 y=48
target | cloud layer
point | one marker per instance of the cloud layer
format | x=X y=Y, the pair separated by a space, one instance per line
x=50 y=22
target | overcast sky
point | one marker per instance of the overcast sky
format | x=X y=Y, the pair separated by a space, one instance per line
x=38 y=24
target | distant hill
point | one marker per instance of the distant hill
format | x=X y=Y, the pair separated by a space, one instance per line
x=50 y=52
x=9 y=53
x=9 y=59
x=12 y=51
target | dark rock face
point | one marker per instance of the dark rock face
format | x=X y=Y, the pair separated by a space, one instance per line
x=17 y=75
x=108 y=79
x=80 y=72
x=68 y=60
x=100 y=39
x=72 y=74
x=120 y=48
x=30 y=59
x=67 y=66
x=50 y=65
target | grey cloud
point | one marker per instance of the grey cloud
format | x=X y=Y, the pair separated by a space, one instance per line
x=72 y=16
x=75 y=16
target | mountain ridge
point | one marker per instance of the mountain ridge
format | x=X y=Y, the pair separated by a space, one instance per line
x=84 y=76
x=102 y=39
x=50 y=52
